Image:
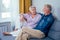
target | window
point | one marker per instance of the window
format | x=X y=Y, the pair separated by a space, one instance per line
x=6 y=3
x=5 y=13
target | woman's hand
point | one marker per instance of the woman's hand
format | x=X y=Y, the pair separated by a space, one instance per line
x=21 y=18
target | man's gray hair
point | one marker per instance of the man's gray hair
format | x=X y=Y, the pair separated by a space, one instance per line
x=30 y=8
x=49 y=6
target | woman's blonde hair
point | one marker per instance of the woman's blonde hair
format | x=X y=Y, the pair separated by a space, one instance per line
x=30 y=8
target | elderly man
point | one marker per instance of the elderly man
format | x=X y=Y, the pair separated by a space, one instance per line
x=40 y=30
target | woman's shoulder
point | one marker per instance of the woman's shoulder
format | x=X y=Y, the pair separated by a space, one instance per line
x=38 y=15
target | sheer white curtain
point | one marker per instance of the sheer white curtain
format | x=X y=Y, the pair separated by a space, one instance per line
x=9 y=11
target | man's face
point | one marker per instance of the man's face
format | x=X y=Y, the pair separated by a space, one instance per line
x=33 y=10
x=46 y=10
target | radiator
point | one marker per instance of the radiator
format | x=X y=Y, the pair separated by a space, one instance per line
x=5 y=27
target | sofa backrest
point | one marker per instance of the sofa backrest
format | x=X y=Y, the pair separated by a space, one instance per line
x=54 y=32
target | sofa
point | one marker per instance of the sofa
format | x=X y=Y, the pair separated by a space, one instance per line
x=6 y=27
x=54 y=33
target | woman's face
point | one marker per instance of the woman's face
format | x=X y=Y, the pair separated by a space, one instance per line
x=33 y=10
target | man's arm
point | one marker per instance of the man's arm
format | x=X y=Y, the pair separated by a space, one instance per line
x=47 y=23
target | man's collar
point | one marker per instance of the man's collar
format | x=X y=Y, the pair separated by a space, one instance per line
x=48 y=14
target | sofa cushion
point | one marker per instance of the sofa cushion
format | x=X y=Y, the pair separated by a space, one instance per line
x=54 y=35
x=54 y=32
x=46 y=38
x=3 y=37
x=56 y=26
x=8 y=38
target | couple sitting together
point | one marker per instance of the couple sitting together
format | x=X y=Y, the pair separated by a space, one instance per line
x=36 y=24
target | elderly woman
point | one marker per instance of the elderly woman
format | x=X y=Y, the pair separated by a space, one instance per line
x=32 y=18
x=29 y=20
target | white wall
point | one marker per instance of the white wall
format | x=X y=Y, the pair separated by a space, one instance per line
x=55 y=3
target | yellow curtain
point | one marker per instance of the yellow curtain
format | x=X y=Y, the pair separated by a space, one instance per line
x=24 y=5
